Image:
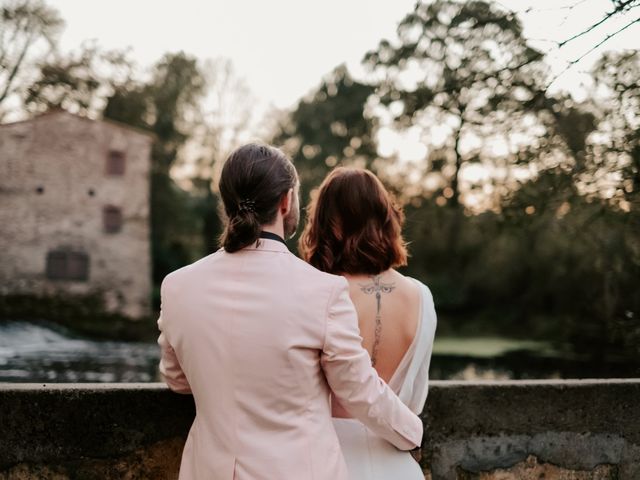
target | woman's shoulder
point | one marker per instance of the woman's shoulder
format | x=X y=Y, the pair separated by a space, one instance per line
x=425 y=293
x=419 y=283
x=407 y=281
x=428 y=306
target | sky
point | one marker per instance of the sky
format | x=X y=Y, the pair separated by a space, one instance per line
x=283 y=48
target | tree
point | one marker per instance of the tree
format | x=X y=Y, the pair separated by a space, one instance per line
x=175 y=89
x=576 y=267
x=168 y=106
x=329 y=127
x=78 y=82
x=616 y=76
x=576 y=222
x=29 y=30
x=462 y=67
x=227 y=121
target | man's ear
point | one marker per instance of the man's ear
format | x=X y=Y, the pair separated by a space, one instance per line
x=286 y=202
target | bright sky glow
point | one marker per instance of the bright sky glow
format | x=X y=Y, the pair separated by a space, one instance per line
x=284 y=47
x=281 y=47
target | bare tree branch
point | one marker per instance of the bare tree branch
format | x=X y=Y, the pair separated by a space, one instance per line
x=620 y=6
x=24 y=24
x=16 y=67
x=605 y=39
x=600 y=43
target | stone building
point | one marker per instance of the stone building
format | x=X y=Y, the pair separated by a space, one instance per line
x=74 y=211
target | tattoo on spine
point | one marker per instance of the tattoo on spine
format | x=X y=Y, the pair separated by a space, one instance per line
x=377 y=287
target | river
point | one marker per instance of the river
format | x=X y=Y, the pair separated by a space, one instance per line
x=44 y=352
x=48 y=353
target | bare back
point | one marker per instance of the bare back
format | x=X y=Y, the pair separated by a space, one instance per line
x=388 y=307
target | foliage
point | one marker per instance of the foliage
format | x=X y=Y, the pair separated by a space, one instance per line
x=464 y=67
x=619 y=150
x=329 y=128
x=71 y=81
x=164 y=106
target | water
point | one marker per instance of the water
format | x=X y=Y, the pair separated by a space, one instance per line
x=48 y=353
x=45 y=352
x=495 y=358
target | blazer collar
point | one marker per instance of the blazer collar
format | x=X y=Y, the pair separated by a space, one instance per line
x=268 y=245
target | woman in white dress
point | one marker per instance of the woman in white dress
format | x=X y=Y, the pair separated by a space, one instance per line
x=354 y=229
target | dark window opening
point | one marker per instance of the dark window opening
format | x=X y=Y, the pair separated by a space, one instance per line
x=91 y=192
x=40 y=190
x=112 y=219
x=67 y=265
x=116 y=162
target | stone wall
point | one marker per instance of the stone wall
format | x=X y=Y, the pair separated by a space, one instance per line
x=54 y=186
x=578 y=430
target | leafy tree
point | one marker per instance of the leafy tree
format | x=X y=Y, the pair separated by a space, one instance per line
x=464 y=67
x=175 y=89
x=72 y=82
x=576 y=280
x=616 y=76
x=329 y=127
x=165 y=105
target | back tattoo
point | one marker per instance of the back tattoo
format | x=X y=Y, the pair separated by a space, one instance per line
x=377 y=287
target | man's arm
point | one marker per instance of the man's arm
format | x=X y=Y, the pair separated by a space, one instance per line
x=356 y=384
x=170 y=369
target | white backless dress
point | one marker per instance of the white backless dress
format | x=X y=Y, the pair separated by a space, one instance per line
x=370 y=457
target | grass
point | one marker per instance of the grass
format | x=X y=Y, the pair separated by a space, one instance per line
x=487 y=346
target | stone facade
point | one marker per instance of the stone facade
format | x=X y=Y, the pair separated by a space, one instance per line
x=74 y=211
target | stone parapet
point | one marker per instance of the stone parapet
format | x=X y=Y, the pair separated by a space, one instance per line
x=579 y=430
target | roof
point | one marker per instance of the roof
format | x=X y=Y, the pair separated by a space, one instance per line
x=59 y=111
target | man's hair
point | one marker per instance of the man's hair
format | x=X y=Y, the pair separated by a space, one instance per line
x=253 y=181
x=353 y=225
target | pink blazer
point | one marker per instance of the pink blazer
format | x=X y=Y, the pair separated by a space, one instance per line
x=261 y=339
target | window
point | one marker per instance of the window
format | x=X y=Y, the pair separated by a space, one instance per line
x=77 y=266
x=112 y=219
x=67 y=265
x=56 y=265
x=115 y=162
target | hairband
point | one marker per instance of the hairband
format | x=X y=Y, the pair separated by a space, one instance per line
x=247 y=205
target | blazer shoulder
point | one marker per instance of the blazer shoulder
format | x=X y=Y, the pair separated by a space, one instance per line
x=330 y=280
x=174 y=279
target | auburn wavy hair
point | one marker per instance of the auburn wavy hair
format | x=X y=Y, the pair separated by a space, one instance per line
x=354 y=225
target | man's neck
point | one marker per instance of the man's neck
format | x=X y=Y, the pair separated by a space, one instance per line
x=276 y=228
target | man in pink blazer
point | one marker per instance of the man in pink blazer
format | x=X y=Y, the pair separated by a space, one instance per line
x=261 y=338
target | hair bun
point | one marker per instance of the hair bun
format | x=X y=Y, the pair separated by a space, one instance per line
x=252 y=182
